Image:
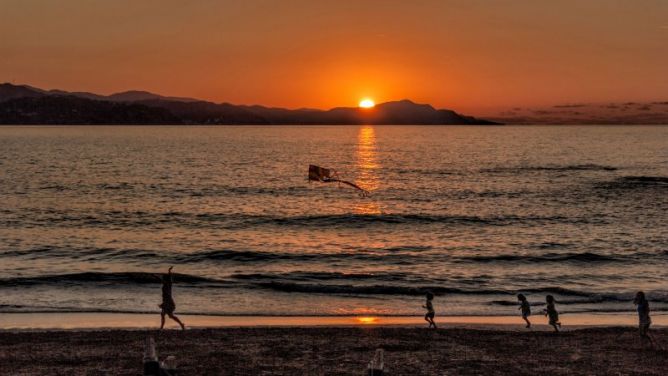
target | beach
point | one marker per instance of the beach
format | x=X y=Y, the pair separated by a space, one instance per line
x=338 y=350
x=379 y=188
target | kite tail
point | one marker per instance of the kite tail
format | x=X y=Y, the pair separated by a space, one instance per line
x=362 y=190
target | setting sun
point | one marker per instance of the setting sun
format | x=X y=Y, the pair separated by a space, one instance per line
x=367 y=103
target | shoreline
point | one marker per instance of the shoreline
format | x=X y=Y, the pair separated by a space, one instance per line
x=73 y=321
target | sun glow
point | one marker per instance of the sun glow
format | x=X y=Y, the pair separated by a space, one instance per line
x=367 y=320
x=367 y=103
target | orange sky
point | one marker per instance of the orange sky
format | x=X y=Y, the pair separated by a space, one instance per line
x=468 y=55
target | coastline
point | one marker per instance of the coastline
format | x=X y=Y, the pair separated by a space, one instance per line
x=143 y=321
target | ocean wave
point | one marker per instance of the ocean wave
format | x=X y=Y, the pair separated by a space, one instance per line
x=239 y=221
x=392 y=255
x=548 y=257
x=260 y=256
x=507 y=169
x=660 y=181
x=552 y=245
x=84 y=253
x=399 y=255
x=301 y=282
x=135 y=278
x=555 y=168
x=428 y=172
x=563 y=295
x=240 y=256
x=326 y=276
x=175 y=190
x=357 y=220
x=402 y=289
x=636 y=182
x=364 y=289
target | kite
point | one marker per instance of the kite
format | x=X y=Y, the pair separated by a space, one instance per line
x=326 y=175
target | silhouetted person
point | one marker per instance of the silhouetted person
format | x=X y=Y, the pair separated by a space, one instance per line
x=644 y=321
x=168 y=306
x=551 y=312
x=525 y=307
x=429 y=317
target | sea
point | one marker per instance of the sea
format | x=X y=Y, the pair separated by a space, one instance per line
x=89 y=215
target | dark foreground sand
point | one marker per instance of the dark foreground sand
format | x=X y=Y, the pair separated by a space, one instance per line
x=337 y=351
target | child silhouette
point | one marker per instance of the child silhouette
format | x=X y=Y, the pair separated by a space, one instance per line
x=429 y=317
x=525 y=307
x=168 y=306
x=551 y=311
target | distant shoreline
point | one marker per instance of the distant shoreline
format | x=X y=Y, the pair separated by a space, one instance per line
x=291 y=125
x=22 y=104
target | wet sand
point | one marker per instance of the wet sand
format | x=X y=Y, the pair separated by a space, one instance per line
x=105 y=320
x=343 y=350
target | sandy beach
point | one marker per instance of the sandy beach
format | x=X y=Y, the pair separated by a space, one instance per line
x=342 y=350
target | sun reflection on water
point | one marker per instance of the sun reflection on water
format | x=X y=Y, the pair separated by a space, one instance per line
x=367 y=166
x=367 y=162
x=367 y=320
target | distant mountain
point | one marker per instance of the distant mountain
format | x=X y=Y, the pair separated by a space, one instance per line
x=53 y=109
x=137 y=95
x=9 y=91
x=22 y=104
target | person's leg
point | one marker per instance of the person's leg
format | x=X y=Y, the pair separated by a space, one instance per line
x=527 y=321
x=426 y=318
x=173 y=317
x=649 y=339
x=644 y=333
x=641 y=334
x=162 y=320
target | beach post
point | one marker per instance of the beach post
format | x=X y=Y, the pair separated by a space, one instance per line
x=376 y=366
x=151 y=364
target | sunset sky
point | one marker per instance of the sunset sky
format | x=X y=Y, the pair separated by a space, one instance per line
x=472 y=56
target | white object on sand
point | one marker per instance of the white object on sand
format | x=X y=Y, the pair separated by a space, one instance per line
x=376 y=366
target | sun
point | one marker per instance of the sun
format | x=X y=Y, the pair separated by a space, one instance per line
x=367 y=103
